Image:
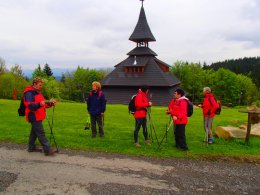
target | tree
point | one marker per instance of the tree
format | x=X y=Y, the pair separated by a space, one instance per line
x=248 y=90
x=2 y=66
x=51 y=88
x=17 y=70
x=228 y=87
x=7 y=85
x=248 y=66
x=225 y=86
x=47 y=70
x=191 y=77
x=38 y=72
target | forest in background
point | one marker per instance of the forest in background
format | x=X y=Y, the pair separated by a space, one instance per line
x=249 y=66
x=230 y=88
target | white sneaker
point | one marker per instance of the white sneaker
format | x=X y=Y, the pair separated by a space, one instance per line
x=137 y=145
x=147 y=142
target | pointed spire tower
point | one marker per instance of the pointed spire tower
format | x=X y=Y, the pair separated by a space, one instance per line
x=140 y=68
x=142 y=32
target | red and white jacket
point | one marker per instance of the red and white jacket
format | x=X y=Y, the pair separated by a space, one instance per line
x=178 y=108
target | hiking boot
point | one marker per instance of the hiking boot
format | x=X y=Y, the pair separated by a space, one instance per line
x=51 y=152
x=35 y=150
x=137 y=145
x=211 y=140
x=147 y=142
x=184 y=149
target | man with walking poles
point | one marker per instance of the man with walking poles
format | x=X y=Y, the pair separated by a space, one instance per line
x=35 y=113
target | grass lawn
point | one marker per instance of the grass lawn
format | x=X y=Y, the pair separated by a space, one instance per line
x=70 y=119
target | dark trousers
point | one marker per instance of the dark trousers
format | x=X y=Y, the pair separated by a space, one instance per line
x=37 y=131
x=98 y=120
x=180 y=139
x=138 y=123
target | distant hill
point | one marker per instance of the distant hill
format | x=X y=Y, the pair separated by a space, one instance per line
x=249 y=66
x=57 y=72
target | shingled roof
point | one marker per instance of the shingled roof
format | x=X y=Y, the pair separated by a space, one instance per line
x=139 y=51
x=142 y=30
x=152 y=76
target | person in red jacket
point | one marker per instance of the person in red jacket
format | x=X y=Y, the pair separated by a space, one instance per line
x=209 y=107
x=178 y=110
x=35 y=113
x=141 y=104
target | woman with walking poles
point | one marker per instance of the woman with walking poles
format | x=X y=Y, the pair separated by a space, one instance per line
x=141 y=103
x=178 y=110
x=209 y=107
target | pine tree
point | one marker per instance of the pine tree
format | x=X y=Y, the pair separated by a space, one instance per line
x=38 y=72
x=47 y=70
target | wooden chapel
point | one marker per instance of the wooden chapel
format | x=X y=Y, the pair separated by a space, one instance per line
x=141 y=67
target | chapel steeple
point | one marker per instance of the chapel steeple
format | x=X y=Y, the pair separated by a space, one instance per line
x=142 y=33
x=141 y=67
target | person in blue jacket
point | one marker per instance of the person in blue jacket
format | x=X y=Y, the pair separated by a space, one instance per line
x=96 y=105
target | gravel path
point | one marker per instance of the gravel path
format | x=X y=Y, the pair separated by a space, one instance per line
x=75 y=172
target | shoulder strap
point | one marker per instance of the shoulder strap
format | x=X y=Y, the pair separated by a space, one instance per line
x=181 y=101
x=210 y=102
x=99 y=93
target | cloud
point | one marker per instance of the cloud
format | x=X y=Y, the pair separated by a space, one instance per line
x=65 y=33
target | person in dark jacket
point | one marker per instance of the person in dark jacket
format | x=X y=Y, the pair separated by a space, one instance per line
x=35 y=113
x=141 y=104
x=209 y=107
x=96 y=105
x=178 y=110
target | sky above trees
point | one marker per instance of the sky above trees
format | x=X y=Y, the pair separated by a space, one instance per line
x=87 y=33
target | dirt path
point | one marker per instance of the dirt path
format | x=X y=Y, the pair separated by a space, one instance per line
x=71 y=172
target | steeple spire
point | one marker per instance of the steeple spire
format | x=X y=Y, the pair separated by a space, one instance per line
x=142 y=2
x=142 y=32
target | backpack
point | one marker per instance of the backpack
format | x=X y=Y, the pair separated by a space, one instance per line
x=131 y=105
x=189 y=108
x=99 y=94
x=21 y=109
x=218 y=110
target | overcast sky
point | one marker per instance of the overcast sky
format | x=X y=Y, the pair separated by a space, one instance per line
x=95 y=33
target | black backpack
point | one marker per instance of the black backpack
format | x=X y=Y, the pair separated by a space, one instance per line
x=21 y=109
x=131 y=105
x=189 y=108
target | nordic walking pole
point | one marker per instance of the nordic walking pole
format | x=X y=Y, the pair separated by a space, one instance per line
x=103 y=120
x=152 y=127
x=166 y=132
x=150 y=124
x=51 y=127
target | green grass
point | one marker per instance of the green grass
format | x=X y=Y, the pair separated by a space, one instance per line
x=70 y=118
